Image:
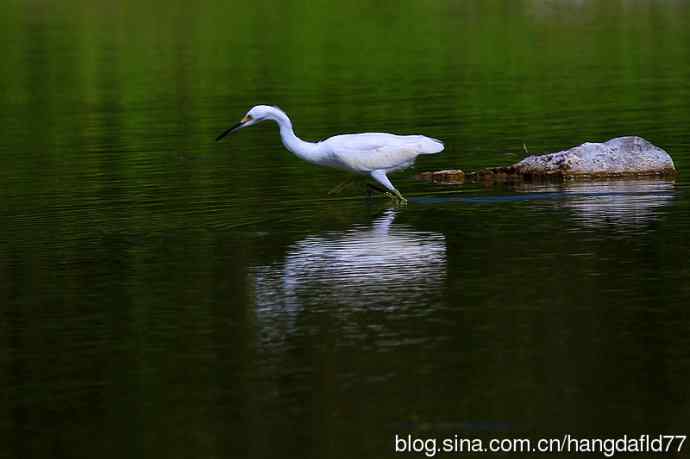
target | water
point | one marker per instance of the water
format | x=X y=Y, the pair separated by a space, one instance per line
x=167 y=296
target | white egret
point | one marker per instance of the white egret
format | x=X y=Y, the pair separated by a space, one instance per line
x=373 y=154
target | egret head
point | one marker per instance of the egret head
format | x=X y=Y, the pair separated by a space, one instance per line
x=256 y=115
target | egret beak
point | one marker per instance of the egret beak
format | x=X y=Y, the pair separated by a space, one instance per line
x=234 y=128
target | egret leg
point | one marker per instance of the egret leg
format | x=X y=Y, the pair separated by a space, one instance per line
x=341 y=186
x=388 y=194
x=380 y=177
x=371 y=187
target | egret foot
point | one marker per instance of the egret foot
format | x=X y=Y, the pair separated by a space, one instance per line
x=380 y=176
x=398 y=198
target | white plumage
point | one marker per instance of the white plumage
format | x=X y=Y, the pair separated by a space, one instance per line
x=373 y=150
x=372 y=153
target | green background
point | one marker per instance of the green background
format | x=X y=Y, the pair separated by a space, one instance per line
x=169 y=296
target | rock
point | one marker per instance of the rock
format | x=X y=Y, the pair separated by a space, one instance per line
x=450 y=176
x=620 y=157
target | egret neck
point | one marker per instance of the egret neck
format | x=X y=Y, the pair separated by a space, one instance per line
x=308 y=151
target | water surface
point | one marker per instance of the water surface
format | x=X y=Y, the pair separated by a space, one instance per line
x=168 y=296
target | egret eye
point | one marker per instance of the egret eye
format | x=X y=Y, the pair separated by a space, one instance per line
x=247 y=118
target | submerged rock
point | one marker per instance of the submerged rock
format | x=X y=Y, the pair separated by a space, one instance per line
x=451 y=176
x=620 y=157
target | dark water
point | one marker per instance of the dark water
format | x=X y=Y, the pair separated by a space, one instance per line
x=167 y=296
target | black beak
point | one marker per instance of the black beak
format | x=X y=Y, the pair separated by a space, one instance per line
x=230 y=131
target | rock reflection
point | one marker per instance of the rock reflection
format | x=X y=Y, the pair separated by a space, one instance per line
x=621 y=202
x=380 y=267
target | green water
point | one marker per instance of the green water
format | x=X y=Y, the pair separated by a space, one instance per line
x=163 y=295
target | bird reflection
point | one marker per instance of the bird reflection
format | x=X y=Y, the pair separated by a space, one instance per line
x=382 y=266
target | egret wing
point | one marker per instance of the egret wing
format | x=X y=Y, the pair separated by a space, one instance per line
x=374 y=151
